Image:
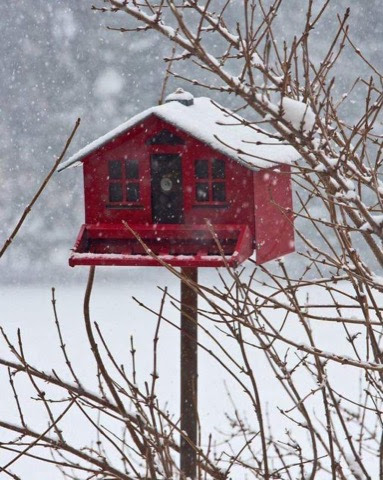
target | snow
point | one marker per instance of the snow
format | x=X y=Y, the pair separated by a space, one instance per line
x=120 y=256
x=350 y=195
x=140 y=45
x=169 y=31
x=355 y=467
x=179 y=95
x=65 y=27
x=256 y=60
x=298 y=114
x=366 y=227
x=320 y=168
x=108 y=83
x=221 y=129
x=377 y=279
x=118 y=316
x=333 y=162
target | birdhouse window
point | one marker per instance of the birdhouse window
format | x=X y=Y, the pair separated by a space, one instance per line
x=132 y=192
x=165 y=137
x=131 y=169
x=115 y=170
x=218 y=169
x=115 y=192
x=124 y=187
x=210 y=181
x=202 y=169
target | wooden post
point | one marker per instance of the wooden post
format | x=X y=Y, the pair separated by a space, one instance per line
x=189 y=374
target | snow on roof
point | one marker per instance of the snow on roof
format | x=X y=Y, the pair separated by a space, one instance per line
x=224 y=131
x=186 y=98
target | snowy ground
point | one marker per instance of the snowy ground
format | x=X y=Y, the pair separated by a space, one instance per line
x=112 y=306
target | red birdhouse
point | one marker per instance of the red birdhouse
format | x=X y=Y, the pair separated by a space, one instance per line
x=199 y=185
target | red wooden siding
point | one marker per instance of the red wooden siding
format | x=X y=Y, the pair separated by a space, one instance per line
x=239 y=205
x=274 y=230
x=255 y=214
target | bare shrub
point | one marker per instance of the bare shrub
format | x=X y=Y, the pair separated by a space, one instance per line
x=310 y=327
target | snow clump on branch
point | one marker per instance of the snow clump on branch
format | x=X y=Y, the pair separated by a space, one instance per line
x=299 y=114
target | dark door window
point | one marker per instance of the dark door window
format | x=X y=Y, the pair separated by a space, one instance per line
x=167 y=198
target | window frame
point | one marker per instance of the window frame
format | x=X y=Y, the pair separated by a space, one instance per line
x=124 y=181
x=210 y=180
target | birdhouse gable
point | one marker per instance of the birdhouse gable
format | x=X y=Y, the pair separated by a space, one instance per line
x=207 y=121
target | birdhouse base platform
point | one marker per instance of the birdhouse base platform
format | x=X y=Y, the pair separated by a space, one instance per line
x=156 y=245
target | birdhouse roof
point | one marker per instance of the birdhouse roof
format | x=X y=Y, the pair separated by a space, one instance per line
x=204 y=119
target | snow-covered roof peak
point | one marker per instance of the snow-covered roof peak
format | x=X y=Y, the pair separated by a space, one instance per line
x=207 y=121
x=186 y=98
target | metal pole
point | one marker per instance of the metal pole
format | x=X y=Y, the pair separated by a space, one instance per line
x=189 y=373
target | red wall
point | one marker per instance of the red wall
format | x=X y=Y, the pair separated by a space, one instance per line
x=274 y=228
x=239 y=185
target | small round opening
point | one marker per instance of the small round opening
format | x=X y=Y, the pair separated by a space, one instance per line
x=166 y=184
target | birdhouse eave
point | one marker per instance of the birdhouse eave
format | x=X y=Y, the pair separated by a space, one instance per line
x=219 y=128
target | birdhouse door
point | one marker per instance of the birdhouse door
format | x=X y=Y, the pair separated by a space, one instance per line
x=167 y=198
